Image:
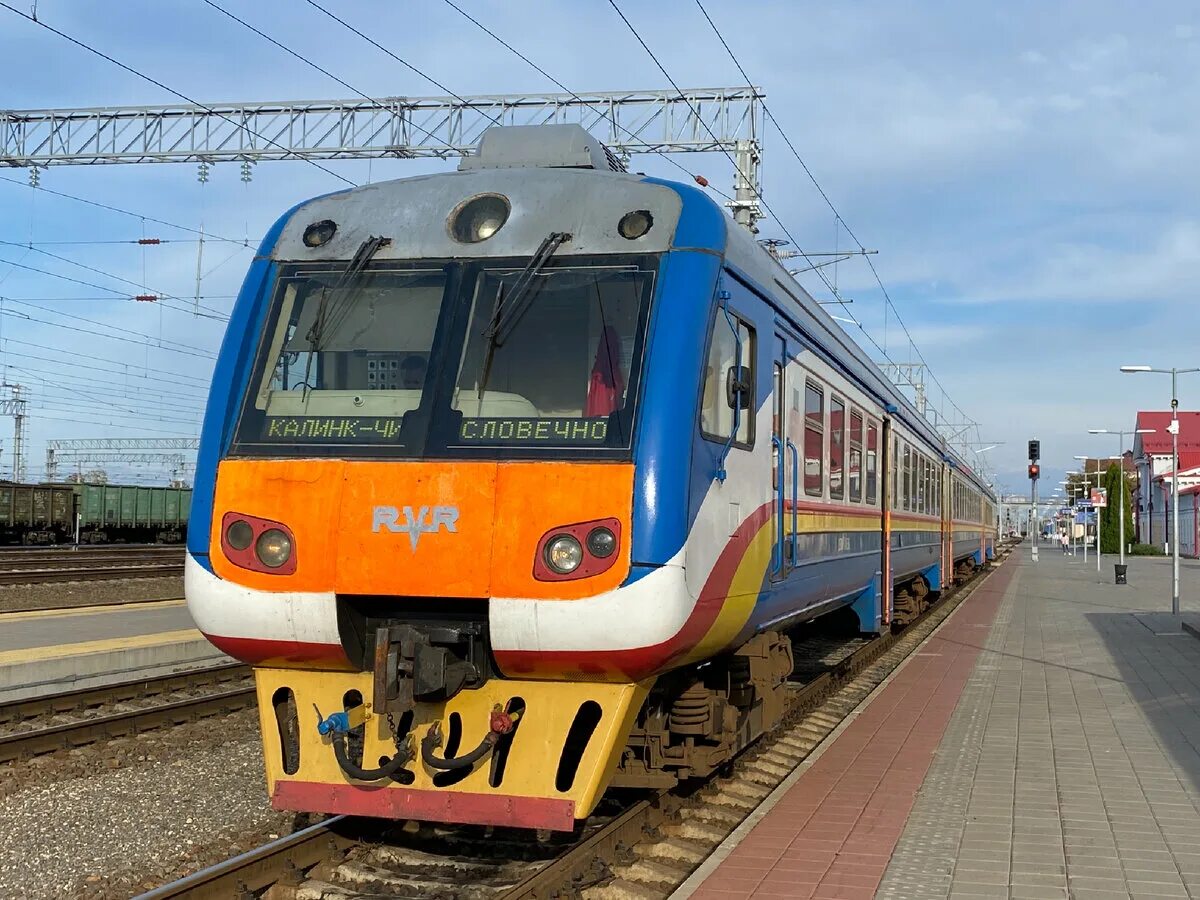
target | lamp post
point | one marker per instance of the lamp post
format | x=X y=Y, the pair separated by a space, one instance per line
x=1121 y=445
x=1097 y=508
x=1174 y=429
x=1071 y=518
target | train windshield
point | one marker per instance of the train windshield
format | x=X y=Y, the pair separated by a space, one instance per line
x=551 y=364
x=450 y=360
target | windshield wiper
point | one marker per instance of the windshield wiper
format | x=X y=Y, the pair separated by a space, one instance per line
x=505 y=316
x=366 y=250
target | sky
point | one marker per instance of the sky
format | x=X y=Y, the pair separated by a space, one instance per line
x=1026 y=171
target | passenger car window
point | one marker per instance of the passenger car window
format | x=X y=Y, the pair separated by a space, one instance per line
x=837 y=448
x=814 y=430
x=856 y=438
x=872 y=462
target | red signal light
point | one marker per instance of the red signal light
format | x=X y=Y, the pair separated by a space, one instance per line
x=1034 y=471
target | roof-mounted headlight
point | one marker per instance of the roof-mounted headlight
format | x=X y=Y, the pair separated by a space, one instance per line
x=479 y=218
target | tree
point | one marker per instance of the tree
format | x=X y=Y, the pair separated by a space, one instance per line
x=1110 y=526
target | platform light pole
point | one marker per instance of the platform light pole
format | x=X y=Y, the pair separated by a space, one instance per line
x=1098 y=508
x=1121 y=456
x=1174 y=429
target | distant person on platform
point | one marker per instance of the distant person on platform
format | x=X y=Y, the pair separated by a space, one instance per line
x=412 y=373
x=1065 y=541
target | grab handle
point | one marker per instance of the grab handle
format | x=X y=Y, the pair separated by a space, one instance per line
x=795 y=494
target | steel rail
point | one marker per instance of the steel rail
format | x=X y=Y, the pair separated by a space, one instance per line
x=568 y=873
x=120 y=692
x=583 y=863
x=21 y=745
x=90 y=573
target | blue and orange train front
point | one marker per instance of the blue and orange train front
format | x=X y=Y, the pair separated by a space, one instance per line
x=441 y=501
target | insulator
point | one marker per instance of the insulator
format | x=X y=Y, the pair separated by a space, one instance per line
x=247 y=172
x=150 y=241
x=35 y=176
x=202 y=172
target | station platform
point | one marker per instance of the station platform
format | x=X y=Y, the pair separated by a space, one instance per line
x=50 y=651
x=1043 y=743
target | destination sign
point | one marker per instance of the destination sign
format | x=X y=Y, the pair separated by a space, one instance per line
x=334 y=429
x=534 y=431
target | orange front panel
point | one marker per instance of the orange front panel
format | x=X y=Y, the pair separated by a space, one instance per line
x=302 y=494
x=438 y=563
x=353 y=523
x=532 y=498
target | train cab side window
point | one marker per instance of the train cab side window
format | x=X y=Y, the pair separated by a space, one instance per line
x=872 y=462
x=906 y=490
x=837 y=448
x=716 y=410
x=814 y=437
x=856 y=452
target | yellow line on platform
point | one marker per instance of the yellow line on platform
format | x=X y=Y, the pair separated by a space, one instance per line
x=135 y=642
x=132 y=606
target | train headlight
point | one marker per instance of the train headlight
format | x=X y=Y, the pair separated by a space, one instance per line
x=273 y=548
x=564 y=554
x=319 y=233
x=634 y=224
x=479 y=218
x=239 y=534
x=601 y=542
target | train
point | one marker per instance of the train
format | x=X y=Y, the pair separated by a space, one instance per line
x=32 y=514
x=516 y=483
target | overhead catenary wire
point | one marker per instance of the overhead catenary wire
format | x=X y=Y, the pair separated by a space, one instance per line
x=828 y=202
x=537 y=68
x=211 y=314
x=189 y=349
x=758 y=194
x=208 y=236
x=403 y=62
x=308 y=62
x=191 y=382
x=182 y=96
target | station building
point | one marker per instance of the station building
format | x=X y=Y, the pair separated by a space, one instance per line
x=1152 y=458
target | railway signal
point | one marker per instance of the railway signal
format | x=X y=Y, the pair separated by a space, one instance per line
x=1035 y=451
x=1035 y=471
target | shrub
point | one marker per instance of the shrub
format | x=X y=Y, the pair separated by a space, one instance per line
x=1145 y=550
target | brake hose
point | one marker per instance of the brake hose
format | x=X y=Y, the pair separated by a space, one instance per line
x=389 y=768
x=499 y=723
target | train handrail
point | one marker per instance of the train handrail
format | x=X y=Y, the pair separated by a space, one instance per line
x=795 y=494
x=777 y=554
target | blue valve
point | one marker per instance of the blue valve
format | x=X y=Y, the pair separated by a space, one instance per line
x=337 y=723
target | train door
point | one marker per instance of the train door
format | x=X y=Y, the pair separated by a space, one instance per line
x=785 y=464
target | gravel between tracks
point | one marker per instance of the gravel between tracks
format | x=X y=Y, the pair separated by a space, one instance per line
x=177 y=800
x=70 y=594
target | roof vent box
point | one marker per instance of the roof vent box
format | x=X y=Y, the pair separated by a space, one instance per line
x=540 y=147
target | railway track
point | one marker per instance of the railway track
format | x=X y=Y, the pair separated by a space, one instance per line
x=63 y=721
x=641 y=847
x=44 y=566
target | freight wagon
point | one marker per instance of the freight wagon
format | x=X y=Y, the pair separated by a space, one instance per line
x=48 y=513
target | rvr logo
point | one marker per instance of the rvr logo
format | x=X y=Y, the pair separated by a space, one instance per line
x=424 y=520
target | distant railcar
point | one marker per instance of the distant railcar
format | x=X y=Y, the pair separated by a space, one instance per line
x=36 y=514
x=132 y=513
x=104 y=513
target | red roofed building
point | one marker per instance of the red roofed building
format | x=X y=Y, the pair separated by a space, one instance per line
x=1152 y=456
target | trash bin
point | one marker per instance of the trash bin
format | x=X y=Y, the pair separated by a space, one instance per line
x=1121 y=570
